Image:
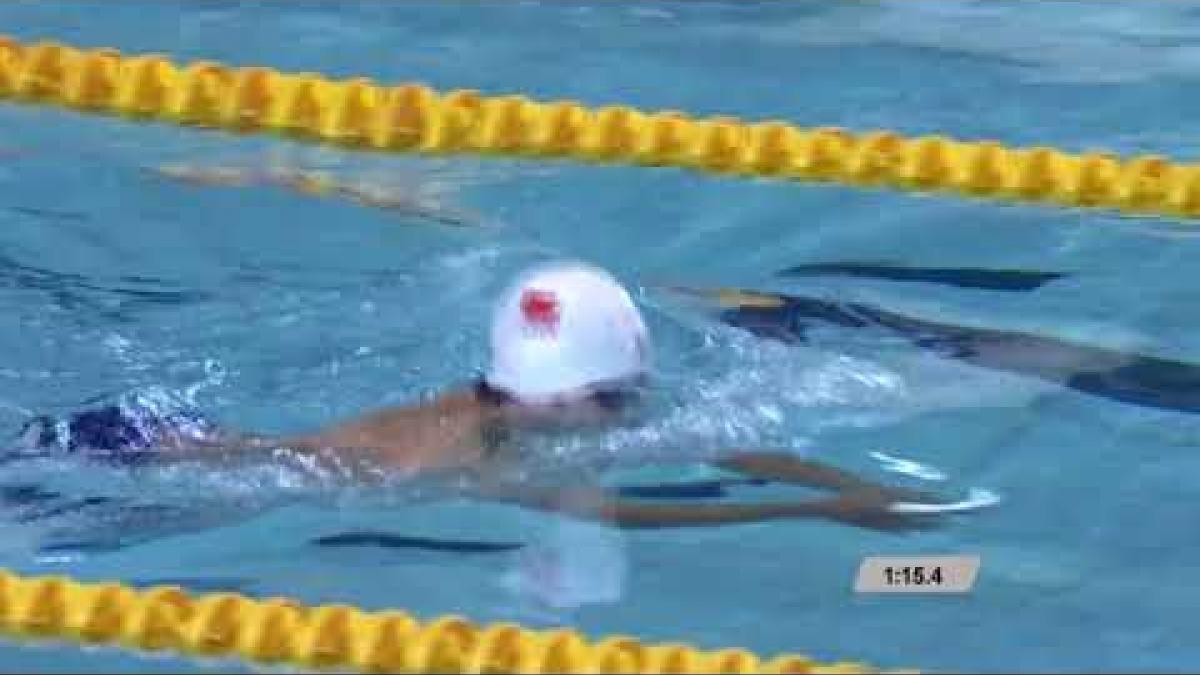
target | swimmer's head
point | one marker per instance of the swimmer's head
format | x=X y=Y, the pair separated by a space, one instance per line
x=567 y=333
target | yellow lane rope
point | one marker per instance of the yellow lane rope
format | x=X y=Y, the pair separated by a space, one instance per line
x=411 y=117
x=282 y=631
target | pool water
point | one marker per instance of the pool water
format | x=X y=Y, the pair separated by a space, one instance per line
x=277 y=311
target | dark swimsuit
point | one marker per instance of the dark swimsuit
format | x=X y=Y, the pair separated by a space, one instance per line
x=126 y=431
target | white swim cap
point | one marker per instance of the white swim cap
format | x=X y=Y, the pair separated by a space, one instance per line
x=562 y=327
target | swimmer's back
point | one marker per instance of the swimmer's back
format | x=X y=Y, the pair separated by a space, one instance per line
x=444 y=433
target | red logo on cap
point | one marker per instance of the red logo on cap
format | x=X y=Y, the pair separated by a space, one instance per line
x=540 y=309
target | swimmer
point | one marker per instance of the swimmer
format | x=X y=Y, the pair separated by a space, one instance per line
x=1127 y=377
x=405 y=202
x=569 y=352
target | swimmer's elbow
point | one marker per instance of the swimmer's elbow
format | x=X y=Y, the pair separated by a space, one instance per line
x=597 y=506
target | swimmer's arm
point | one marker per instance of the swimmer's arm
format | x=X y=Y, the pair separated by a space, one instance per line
x=867 y=509
x=787 y=468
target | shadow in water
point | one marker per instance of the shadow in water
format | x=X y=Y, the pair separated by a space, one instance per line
x=962 y=277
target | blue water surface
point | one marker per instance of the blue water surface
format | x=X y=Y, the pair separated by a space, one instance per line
x=278 y=311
